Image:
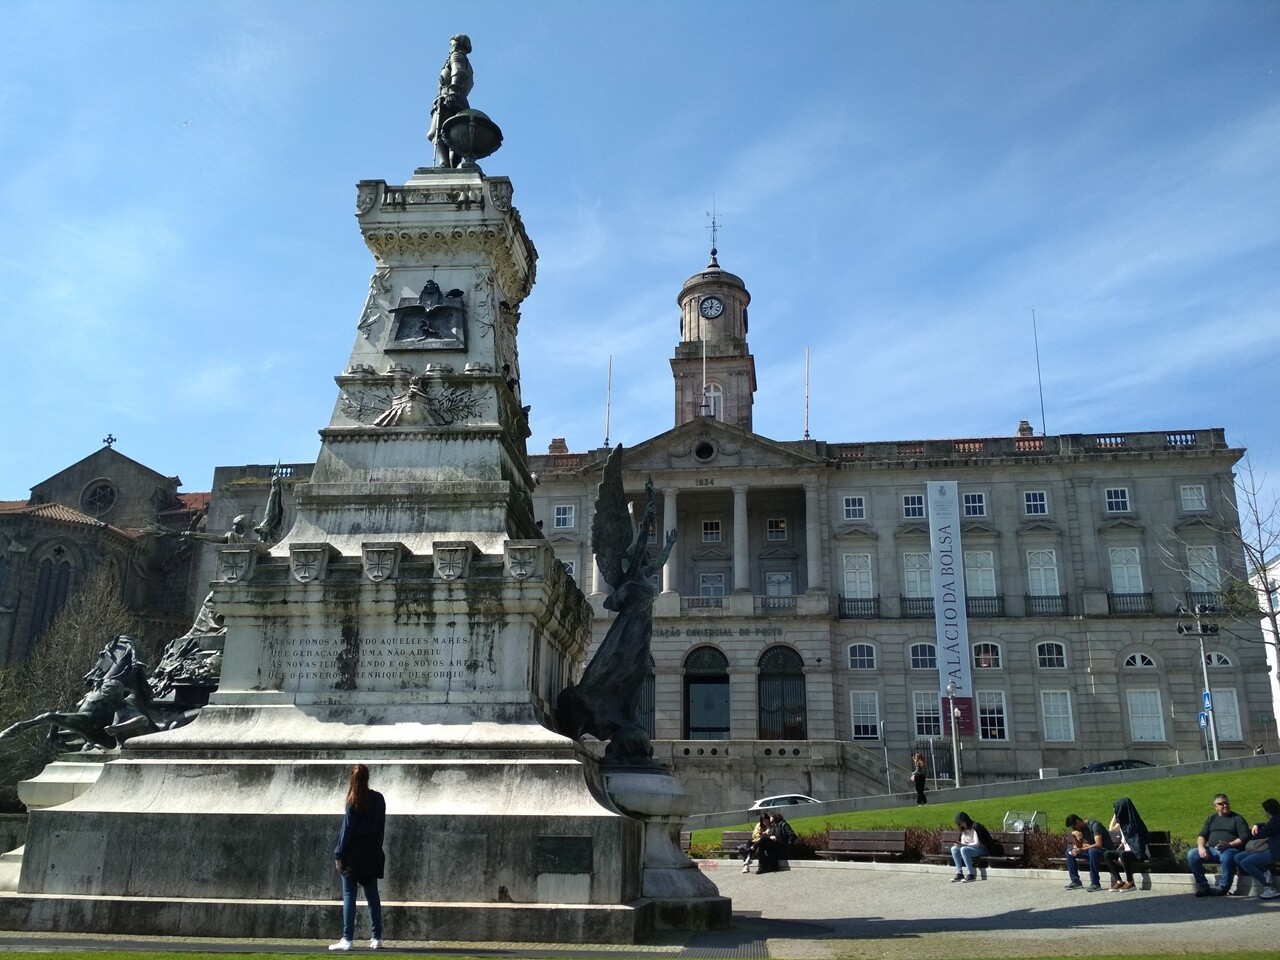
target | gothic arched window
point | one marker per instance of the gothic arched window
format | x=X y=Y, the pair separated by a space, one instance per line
x=783 y=715
x=53 y=582
x=706 y=695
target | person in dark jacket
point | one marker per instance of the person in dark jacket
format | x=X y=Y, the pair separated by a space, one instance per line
x=1133 y=844
x=919 y=777
x=358 y=856
x=775 y=845
x=974 y=842
x=1221 y=840
x=1255 y=864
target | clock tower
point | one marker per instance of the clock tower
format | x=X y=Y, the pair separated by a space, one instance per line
x=715 y=374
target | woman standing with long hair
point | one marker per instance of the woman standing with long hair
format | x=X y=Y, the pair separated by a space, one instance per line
x=358 y=856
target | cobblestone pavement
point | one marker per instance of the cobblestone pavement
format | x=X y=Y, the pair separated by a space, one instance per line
x=821 y=910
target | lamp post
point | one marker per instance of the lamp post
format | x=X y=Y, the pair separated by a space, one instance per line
x=955 y=737
x=1200 y=629
x=888 y=786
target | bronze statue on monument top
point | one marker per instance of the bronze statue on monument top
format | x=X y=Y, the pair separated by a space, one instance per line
x=456 y=80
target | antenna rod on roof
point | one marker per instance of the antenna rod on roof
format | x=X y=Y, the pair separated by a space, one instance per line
x=608 y=399
x=806 y=393
x=1044 y=432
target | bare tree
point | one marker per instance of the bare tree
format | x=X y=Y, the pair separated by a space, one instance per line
x=51 y=677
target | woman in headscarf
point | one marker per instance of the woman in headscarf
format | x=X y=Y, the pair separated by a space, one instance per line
x=1133 y=845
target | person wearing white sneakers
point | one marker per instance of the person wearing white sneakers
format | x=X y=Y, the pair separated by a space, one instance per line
x=1256 y=864
x=358 y=856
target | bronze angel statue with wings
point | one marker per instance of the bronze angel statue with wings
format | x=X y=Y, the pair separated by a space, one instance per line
x=606 y=701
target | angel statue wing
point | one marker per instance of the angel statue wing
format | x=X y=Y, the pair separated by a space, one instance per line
x=612 y=529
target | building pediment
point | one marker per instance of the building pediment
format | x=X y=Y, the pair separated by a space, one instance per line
x=706 y=443
x=978 y=528
x=1039 y=526
x=1119 y=524
x=912 y=529
x=853 y=531
x=777 y=553
x=710 y=554
x=1196 y=523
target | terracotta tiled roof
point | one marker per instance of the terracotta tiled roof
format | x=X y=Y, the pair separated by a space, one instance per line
x=55 y=511
x=196 y=501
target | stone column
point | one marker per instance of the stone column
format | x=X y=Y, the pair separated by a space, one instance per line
x=812 y=538
x=669 y=523
x=741 y=557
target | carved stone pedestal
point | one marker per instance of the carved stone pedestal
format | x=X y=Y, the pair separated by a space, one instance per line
x=684 y=899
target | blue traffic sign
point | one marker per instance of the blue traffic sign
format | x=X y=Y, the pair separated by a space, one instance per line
x=1204 y=720
x=1208 y=701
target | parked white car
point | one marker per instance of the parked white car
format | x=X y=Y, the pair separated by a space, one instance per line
x=782 y=800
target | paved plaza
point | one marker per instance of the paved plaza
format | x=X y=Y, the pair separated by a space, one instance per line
x=819 y=910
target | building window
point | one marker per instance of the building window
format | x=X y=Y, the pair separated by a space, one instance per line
x=975 y=504
x=980 y=573
x=706 y=695
x=1215 y=659
x=53 y=583
x=917 y=575
x=1146 y=717
x=777 y=584
x=913 y=506
x=1055 y=709
x=1193 y=498
x=98 y=497
x=924 y=656
x=1042 y=573
x=855 y=508
x=714 y=401
x=565 y=513
x=857 y=576
x=783 y=715
x=1226 y=715
x=1126 y=571
x=1203 y=570
x=986 y=656
x=710 y=531
x=1139 y=661
x=864 y=714
x=1051 y=655
x=569 y=567
x=776 y=529
x=1035 y=503
x=928 y=713
x=711 y=584
x=991 y=715
x=862 y=656
x=1117 y=499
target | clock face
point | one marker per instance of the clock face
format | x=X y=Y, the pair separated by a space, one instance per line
x=711 y=307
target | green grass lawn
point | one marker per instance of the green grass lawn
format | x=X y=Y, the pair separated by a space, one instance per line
x=1178 y=804
x=166 y=955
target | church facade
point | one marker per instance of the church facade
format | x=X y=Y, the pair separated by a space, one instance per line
x=796 y=647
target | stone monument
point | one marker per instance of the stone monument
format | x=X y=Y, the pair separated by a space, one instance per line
x=413 y=619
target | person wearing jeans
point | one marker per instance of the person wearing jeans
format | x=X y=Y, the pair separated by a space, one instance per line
x=1221 y=840
x=974 y=842
x=359 y=857
x=1090 y=840
x=1255 y=864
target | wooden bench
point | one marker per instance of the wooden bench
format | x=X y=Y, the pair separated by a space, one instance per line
x=1008 y=850
x=730 y=840
x=870 y=845
x=1159 y=850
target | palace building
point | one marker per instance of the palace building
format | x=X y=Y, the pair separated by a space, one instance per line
x=796 y=646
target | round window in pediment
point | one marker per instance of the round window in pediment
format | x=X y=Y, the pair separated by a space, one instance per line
x=704 y=450
x=98 y=497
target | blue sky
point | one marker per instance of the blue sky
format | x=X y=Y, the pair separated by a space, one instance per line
x=899 y=184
